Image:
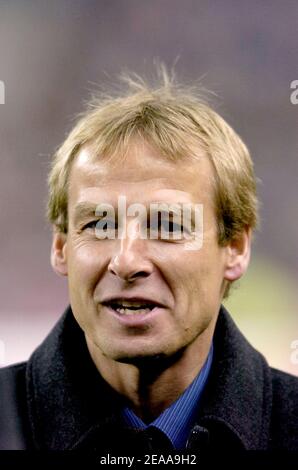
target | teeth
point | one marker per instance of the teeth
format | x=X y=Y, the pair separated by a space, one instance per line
x=129 y=311
x=127 y=307
x=131 y=304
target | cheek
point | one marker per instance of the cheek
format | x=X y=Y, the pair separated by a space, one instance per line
x=86 y=262
x=199 y=274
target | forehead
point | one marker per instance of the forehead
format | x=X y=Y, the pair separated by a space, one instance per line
x=143 y=174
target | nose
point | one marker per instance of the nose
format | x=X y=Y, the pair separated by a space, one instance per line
x=129 y=262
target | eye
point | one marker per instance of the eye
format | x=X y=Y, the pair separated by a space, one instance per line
x=102 y=225
x=167 y=229
x=91 y=224
x=172 y=226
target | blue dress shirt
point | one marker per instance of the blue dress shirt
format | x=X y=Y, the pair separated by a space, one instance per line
x=177 y=420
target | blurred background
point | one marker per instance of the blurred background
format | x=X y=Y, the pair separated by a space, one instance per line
x=53 y=53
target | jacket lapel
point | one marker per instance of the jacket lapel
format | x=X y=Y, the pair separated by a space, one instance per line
x=237 y=401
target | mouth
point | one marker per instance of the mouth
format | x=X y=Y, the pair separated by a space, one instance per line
x=131 y=307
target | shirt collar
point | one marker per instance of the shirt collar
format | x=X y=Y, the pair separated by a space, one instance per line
x=177 y=420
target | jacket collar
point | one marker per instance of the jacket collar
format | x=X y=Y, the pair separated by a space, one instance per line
x=67 y=397
x=237 y=400
x=70 y=404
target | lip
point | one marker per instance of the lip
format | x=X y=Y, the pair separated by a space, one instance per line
x=138 y=319
x=139 y=299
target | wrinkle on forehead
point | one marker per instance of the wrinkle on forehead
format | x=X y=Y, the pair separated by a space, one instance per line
x=176 y=181
x=143 y=175
x=159 y=196
x=139 y=156
x=147 y=169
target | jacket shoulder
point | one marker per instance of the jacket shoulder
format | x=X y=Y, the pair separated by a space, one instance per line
x=284 y=423
x=12 y=371
x=13 y=407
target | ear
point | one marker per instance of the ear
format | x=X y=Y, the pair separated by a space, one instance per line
x=238 y=256
x=59 y=253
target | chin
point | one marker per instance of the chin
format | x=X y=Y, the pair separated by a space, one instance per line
x=156 y=359
x=131 y=356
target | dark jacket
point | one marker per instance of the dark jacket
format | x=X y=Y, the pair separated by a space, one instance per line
x=58 y=400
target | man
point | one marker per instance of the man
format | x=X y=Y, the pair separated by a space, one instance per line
x=153 y=205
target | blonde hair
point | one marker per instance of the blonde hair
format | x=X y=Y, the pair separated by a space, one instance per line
x=175 y=120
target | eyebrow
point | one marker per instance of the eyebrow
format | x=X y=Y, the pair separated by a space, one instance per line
x=174 y=211
x=166 y=210
x=84 y=210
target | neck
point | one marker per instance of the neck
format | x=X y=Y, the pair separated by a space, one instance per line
x=151 y=385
